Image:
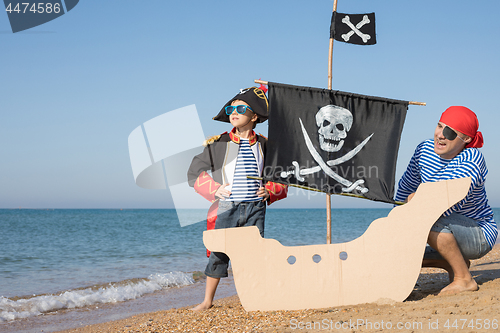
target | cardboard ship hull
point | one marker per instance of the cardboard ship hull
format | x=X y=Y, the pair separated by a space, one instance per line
x=382 y=264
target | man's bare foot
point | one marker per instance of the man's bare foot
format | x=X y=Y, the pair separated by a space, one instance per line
x=202 y=307
x=459 y=286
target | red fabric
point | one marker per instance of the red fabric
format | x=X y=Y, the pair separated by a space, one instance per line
x=463 y=120
x=263 y=88
x=236 y=139
x=276 y=191
x=206 y=186
x=211 y=218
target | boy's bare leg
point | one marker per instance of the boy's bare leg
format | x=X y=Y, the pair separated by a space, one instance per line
x=210 y=289
x=447 y=246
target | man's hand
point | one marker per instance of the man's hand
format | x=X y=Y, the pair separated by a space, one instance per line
x=410 y=197
x=263 y=193
x=222 y=193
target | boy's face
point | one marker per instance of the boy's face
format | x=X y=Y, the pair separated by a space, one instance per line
x=242 y=120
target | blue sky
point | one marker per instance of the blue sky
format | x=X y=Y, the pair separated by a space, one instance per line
x=73 y=89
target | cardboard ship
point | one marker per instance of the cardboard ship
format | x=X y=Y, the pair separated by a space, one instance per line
x=383 y=263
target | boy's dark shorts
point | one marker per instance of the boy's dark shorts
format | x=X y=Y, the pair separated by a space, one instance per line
x=232 y=214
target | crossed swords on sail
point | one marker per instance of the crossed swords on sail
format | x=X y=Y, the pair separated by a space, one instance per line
x=349 y=186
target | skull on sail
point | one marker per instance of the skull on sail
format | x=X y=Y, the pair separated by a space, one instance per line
x=334 y=122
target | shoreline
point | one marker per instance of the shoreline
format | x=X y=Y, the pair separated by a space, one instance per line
x=96 y=314
x=422 y=311
x=168 y=310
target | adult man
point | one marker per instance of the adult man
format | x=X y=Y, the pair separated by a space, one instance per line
x=467 y=230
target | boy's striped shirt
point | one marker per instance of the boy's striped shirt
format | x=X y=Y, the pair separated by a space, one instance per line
x=427 y=166
x=245 y=189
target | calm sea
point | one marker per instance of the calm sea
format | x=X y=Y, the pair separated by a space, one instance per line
x=70 y=258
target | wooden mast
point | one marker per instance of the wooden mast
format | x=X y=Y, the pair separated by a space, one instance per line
x=329 y=196
x=330 y=54
x=409 y=102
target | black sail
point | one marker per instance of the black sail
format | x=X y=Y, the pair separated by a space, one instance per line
x=333 y=141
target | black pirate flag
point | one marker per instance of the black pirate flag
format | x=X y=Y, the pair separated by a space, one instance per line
x=333 y=141
x=353 y=28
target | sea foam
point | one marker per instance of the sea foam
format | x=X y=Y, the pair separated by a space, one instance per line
x=36 y=305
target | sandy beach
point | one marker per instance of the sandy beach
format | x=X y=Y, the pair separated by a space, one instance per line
x=422 y=311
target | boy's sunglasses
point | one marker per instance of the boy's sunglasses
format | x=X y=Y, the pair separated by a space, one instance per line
x=450 y=134
x=240 y=109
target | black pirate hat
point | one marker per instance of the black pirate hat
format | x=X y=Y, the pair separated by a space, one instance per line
x=255 y=97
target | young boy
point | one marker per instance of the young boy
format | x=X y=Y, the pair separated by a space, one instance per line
x=237 y=200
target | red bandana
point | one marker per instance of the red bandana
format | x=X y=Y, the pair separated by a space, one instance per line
x=463 y=120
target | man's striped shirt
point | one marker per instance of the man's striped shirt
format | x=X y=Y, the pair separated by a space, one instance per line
x=245 y=189
x=427 y=166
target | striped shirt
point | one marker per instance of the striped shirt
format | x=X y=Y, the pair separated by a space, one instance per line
x=427 y=166
x=245 y=189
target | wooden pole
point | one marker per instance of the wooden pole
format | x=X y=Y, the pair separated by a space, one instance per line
x=328 y=196
x=330 y=54
x=411 y=103
x=330 y=65
x=318 y=190
x=330 y=79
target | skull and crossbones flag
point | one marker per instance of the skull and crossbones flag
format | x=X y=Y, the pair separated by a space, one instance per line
x=333 y=141
x=353 y=28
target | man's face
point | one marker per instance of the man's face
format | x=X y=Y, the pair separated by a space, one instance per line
x=445 y=148
x=241 y=120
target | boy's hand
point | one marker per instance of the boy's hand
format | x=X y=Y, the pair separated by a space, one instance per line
x=222 y=193
x=262 y=192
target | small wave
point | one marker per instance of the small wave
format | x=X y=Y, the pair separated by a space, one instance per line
x=34 y=306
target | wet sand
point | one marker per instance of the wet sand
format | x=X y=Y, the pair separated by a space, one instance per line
x=423 y=311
